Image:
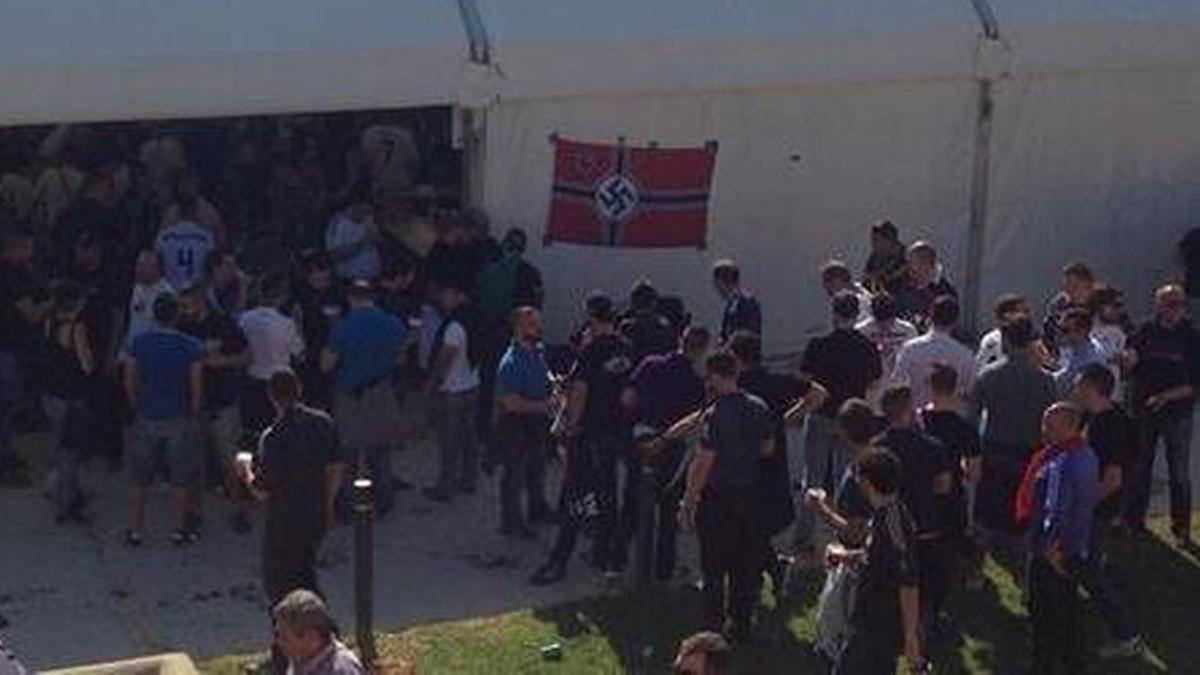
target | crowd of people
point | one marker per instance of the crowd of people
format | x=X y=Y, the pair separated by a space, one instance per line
x=125 y=304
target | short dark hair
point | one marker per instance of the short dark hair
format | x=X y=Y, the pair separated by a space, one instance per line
x=284 y=387
x=214 y=259
x=845 y=305
x=695 y=338
x=274 y=287
x=943 y=378
x=1007 y=304
x=1104 y=295
x=1018 y=334
x=886 y=229
x=836 y=270
x=1076 y=317
x=360 y=290
x=727 y=271
x=884 y=307
x=1079 y=271
x=896 y=400
x=857 y=421
x=643 y=295
x=746 y=346
x=945 y=311
x=599 y=307
x=721 y=364
x=166 y=309
x=400 y=265
x=1098 y=377
x=881 y=469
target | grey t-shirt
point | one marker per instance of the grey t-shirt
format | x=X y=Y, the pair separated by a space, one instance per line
x=336 y=659
x=1013 y=393
x=735 y=430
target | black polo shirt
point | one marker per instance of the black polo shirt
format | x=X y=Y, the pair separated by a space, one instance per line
x=295 y=453
x=742 y=312
x=891 y=565
x=845 y=362
x=649 y=333
x=922 y=457
x=605 y=366
x=735 y=429
x=1114 y=438
x=1167 y=358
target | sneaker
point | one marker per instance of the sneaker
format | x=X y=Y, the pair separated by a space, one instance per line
x=182 y=538
x=133 y=538
x=1123 y=649
x=549 y=573
x=436 y=493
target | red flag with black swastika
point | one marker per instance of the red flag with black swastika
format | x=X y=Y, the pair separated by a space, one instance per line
x=615 y=195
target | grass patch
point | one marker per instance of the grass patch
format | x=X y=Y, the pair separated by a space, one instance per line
x=639 y=634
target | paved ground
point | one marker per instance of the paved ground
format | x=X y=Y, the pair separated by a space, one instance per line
x=76 y=595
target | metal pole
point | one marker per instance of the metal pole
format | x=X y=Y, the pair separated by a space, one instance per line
x=364 y=559
x=977 y=224
x=645 y=531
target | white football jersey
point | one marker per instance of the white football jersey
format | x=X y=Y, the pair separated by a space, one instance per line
x=183 y=247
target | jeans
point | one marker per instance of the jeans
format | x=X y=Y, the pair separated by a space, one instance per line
x=589 y=495
x=70 y=420
x=1176 y=434
x=728 y=525
x=1055 y=620
x=455 y=420
x=825 y=459
x=522 y=439
x=11 y=388
x=1103 y=578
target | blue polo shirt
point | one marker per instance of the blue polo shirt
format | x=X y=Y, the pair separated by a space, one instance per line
x=523 y=372
x=164 y=362
x=367 y=343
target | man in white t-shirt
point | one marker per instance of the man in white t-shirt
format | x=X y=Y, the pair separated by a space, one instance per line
x=274 y=341
x=184 y=246
x=1108 y=307
x=148 y=285
x=915 y=360
x=836 y=277
x=888 y=332
x=454 y=384
x=352 y=238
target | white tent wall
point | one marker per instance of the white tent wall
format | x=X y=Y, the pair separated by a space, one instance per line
x=899 y=150
x=1096 y=152
x=1102 y=168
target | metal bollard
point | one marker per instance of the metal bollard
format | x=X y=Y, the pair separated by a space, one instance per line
x=364 y=567
x=645 y=524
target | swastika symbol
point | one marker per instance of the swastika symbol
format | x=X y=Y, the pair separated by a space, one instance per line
x=617 y=198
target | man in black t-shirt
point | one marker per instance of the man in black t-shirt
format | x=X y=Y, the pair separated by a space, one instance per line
x=742 y=311
x=319 y=301
x=22 y=307
x=789 y=398
x=846 y=363
x=225 y=358
x=598 y=434
x=1164 y=357
x=721 y=498
x=926 y=477
x=884 y=621
x=1113 y=436
x=297 y=473
x=649 y=333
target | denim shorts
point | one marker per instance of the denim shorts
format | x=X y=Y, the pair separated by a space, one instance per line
x=173 y=441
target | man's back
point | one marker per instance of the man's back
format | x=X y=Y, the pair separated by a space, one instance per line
x=667 y=389
x=915 y=360
x=649 y=333
x=183 y=248
x=921 y=457
x=295 y=452
x=845 y=362
x=1014 y=393
x=367 y=343
x=273 y=339
x=736 y=428
x=164 y=359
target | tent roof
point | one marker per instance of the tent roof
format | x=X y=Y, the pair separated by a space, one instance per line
x=81 y=60
x=573 y=47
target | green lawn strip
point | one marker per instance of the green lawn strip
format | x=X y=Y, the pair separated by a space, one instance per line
x=639 y=634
